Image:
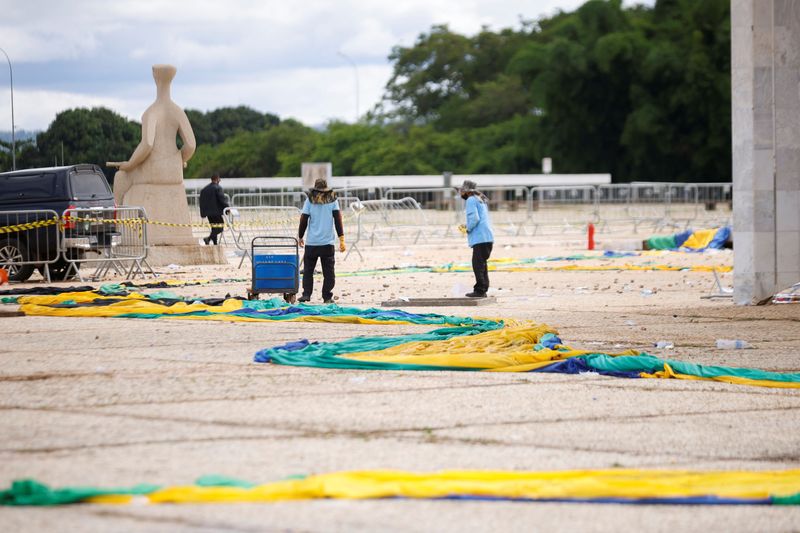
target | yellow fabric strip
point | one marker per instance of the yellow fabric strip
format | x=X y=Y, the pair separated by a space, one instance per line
x=570 y=484
x=590 y=268
x=510 y=349
x=121 y=308
x=699 y=239
x=77 y=297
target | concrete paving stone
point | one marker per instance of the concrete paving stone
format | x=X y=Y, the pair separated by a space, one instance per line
x=115 y=402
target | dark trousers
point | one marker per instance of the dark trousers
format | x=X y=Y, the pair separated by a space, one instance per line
x=214 y=231
x=480 y=255
x=325 y=253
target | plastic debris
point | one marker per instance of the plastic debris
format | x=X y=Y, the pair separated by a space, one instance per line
x=733 y=344
x=666 y=345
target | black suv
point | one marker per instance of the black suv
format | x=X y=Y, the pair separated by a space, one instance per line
x=57 y=189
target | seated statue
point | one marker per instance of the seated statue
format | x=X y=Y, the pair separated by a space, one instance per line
x=153 y=176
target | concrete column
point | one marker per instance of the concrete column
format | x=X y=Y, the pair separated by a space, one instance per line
x=765 y=101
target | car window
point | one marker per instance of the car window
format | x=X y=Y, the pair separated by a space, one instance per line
x=87 y=186
x=30 y=187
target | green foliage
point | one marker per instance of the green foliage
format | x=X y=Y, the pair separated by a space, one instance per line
x=82 y=135
x=642 y=93
x=218 y=125
x=277 y=151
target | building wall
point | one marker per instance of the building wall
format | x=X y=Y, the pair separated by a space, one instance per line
x=765 y=99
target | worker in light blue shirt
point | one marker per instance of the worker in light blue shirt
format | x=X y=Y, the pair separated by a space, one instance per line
x=479 y=236
x=320 y=215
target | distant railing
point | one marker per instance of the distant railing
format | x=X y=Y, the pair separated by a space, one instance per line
x=418 y=214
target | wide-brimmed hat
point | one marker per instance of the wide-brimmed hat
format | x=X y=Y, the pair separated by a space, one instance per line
x=321 y=184
x=468 y=185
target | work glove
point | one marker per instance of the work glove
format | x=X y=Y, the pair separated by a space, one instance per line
x=462 y=228
x=342 y=247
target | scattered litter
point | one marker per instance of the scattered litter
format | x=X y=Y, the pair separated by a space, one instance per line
x=664 y=345
x=733 y=344
x=173 y=266
x=790 y=296
x=630 y=323
x=646 y=292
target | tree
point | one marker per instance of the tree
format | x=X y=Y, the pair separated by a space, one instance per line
x=220 y=124
x=92 y=135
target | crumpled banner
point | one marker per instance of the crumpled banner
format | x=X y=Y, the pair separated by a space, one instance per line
x=630 y=486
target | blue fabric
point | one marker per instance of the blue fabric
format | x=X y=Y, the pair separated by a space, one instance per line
x=680 y=238
x=710 y=499
x=479 y=226
x=578 y=365
x=614 y=255
x=550 y=340
x=722 y=235
x=320 y=223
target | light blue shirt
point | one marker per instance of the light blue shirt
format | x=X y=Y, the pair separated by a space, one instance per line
x=479 y=226
x=320 y=223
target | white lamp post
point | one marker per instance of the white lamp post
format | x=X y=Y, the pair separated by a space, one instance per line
x=13 y=138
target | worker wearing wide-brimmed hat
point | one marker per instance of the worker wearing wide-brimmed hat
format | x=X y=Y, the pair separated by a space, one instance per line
x=320 y=215
x=479 y=236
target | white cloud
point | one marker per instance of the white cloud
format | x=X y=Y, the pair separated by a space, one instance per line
x=273 y=55
x=312 y=96
x=37 y=109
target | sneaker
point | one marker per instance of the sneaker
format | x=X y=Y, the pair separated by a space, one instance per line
x=328 y=301
x=304 y=299
x=475 y=295
x=206 y=240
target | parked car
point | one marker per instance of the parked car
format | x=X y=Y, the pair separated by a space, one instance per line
x=57 y=189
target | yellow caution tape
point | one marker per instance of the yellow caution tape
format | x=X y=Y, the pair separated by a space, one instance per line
x=28 y=225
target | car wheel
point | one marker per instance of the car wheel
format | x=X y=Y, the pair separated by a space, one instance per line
x=12 y=253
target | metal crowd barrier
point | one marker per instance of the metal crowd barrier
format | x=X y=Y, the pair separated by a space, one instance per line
x=392 y=219
x=350 y=207
x=715 y=203
x=419 y=213
x=28 y=240
x=269 y=199
x=108 y=238
x=509 y=207
x=246 y=223
x=567 y=208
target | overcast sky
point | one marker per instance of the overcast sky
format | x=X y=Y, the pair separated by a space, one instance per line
x=274 y=56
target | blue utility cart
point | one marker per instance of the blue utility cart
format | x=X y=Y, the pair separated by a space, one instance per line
x=276 y=267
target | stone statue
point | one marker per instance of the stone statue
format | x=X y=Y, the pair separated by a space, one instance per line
x=153 y=176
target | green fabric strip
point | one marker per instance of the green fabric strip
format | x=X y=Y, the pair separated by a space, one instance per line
x=648 y=363
x=31 y=492
x=327 y=355
x=662 y=242
x=793 y=499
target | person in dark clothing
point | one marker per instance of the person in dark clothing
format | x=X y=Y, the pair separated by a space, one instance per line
x=480 y=236
x=212 y=205
x=320 y=215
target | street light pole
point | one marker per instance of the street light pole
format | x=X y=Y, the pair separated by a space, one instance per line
x=355 y=68
x=13 y=138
